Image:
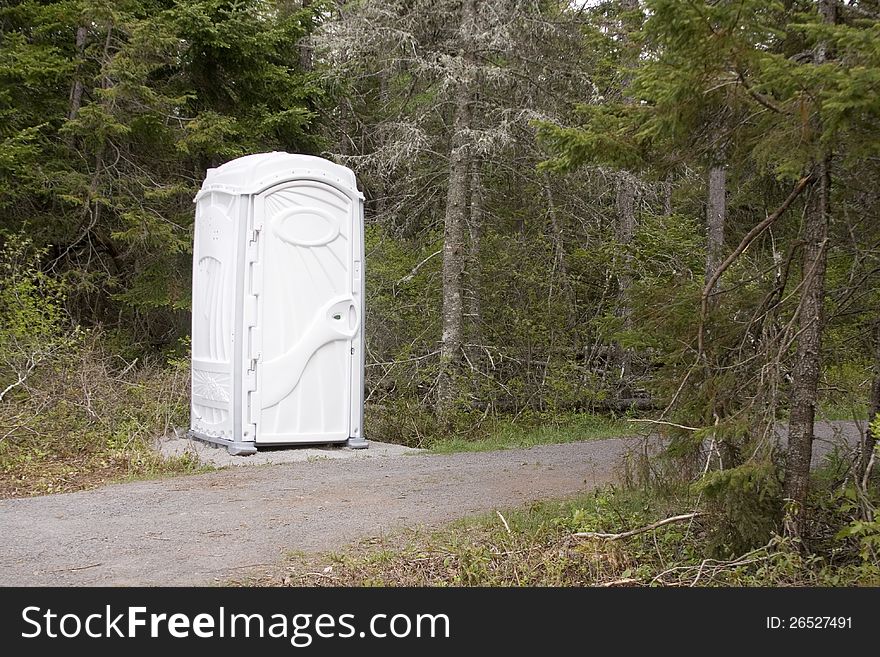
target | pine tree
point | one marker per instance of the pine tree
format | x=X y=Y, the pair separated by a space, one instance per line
x=114 y=112
x=791 y=84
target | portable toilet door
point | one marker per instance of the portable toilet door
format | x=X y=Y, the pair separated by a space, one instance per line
x=278 y=304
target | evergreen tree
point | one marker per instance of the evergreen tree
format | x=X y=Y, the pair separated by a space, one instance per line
x=113 y=112
x=791 y=81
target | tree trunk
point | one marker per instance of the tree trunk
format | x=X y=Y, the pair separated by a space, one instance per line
x=560 y=265
x=556 y=236
x=625 y=201
x=474 y=269
x=808 y=358
x=870 y=440
x=807 y=366
x=76 y=89
x=448 y=382
x=716 y=217
x=306 y=57
x=625 y=204
x=382 y=186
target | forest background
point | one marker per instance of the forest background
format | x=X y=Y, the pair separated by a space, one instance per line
x=577 y=214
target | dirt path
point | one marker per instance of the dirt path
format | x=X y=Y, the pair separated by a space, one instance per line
x=207 y=528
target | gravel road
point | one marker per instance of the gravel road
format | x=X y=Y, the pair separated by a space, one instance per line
x=207 y=528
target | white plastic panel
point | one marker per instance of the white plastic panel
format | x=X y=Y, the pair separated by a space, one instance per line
x=309 y=314
x=214 y=279
x=357 y=344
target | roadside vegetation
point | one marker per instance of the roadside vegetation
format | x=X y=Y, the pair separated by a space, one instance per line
x=539 y=546
x=90 y=419
x=80 y=406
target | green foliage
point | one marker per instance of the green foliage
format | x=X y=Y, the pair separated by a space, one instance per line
x=700 y=45
x=667 y=257
x=846 y=390
x=868 y=535
x=541 y=429
x=865 y=527
x=748 y=502
x=165 y=90
x=71 y=414
x=34 y=329
x=411 y=423
x=605 y=136
x=31 y=302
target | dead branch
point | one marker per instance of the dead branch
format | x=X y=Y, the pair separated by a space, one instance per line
x=671 y=424
x=743 y=245
x=403 y=360
x=640 y=530
x=324 y=575
x=415 y=269
x=67 y=570
x=22 y=377
x=717 y=565
x=626 y=581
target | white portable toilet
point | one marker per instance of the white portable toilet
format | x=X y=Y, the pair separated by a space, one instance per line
x=278 y=304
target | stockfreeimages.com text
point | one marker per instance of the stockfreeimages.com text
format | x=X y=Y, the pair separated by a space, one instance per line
x=300 y=629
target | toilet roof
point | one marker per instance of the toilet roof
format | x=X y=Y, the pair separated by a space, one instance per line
x=252 y=174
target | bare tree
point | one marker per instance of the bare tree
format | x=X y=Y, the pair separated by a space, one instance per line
x=870 y=437
x=624 y=228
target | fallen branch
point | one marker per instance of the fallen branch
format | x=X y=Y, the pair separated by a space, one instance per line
x=671 y=424
x=324 y=575
x=626 y=581
x=717 y=565
x=743 y=245
x=640 y=530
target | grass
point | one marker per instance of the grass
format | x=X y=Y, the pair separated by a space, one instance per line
x=508 y=435
x=535 y=546
x=45 y=475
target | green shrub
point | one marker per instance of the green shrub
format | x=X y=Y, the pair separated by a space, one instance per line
x=74 y=411
x=747 y=504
